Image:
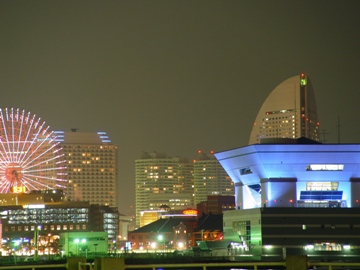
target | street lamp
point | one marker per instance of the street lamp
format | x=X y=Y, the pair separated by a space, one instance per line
x=49 y=244
x=95 y=245
x=160 y=239
x=76 y=241
x=36 y=240
x=83 y=241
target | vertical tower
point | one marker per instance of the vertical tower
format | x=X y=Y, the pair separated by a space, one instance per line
x=210 y=178
x=162 y=180
x=288 y=112
x=91 y=167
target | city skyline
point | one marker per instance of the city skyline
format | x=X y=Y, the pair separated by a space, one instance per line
x=176 y=77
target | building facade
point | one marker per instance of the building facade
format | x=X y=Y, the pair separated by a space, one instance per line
x=298 y=173
x=210 y=178
x=164 y=234
x=162 y=180
x=216 y=204
x=91 y=167
x=36 y=220
x=84 y=244
x=288 y=112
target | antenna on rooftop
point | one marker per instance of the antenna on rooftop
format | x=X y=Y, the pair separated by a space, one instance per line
x=338 y=129
x=324 y=133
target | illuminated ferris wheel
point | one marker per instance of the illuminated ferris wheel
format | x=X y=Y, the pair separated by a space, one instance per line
x=30 y=156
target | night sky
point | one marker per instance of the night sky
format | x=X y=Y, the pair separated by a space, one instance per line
x=176 y=76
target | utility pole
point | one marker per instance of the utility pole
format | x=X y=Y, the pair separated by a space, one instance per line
x=324 y=133
x=338 y=129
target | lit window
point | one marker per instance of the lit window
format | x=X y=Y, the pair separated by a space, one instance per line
x=246 y=170
x=325 y=167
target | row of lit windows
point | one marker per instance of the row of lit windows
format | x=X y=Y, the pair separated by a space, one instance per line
x=53 y=227
x=96 y=147
x=101 y=170
x=43 y=212
x=278 y=118
x=92 y=184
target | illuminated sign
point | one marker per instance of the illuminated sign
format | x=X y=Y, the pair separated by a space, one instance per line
x=190 y=212
x=325 y=167
x=34 y=206
x=18 y=189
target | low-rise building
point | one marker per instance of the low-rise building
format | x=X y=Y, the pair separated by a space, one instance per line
x=28 y=219
x=84 y=244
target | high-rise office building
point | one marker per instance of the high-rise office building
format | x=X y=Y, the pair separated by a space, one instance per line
x=91 y=167
x=162 y=180
x=288 y=112
x=210 y=178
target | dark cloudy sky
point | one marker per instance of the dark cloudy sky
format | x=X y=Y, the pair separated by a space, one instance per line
x=176 y=76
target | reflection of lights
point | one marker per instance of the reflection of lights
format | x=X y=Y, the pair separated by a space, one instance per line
x=347 y=247
x=309 y=247
x=236 y=245
x=268 y=246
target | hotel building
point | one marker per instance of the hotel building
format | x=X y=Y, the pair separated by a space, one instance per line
x=91 y=167
x=288 y=112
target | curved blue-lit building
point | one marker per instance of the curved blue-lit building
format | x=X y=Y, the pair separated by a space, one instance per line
x=293 y=194
x=294 y=173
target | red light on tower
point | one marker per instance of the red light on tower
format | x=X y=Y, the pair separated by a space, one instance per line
x=212 y=152
x=302 y=75
x=199 y=151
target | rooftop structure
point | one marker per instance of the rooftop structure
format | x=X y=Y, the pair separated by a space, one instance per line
x=296 y=174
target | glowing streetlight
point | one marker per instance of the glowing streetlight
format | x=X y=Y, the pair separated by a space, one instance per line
x=76 y=241
x=160 y=239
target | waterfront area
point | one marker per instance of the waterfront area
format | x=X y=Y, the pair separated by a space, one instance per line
x=162 y=262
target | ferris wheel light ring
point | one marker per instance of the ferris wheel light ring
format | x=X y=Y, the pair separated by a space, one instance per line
x=30 y=157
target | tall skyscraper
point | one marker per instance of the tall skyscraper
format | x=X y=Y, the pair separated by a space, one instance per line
x=162 y=180
x=210 y=178
x=288 y=112
x=91 y=167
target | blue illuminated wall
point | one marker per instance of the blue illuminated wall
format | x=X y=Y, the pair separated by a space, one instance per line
x=283 y=172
